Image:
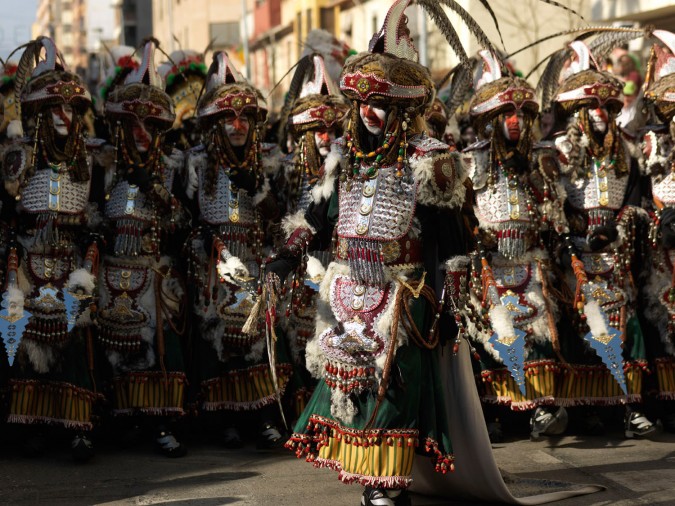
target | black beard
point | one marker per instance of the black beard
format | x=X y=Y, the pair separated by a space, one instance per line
x=239 y=152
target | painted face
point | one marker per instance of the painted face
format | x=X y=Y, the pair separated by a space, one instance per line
x=513 y=125
x=236 y=128
x=323 y=138
x=142 y=136
x=62 y=118
x=598 y=119
x=373 y=118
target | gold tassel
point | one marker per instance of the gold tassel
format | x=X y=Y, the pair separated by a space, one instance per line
x=250 y=328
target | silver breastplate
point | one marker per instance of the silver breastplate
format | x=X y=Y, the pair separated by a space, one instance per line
x=226 y=204
x=663 y=188
x=504 y=201
x=379 y=209
x=50 y=191
x=603 y=189
x=128 y=202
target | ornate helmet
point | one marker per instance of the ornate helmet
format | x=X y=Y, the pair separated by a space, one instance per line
x=51 y=82
x=497 y=94
x=184 y=74
x=584 y=87
x=142 y=95
x=333 y=51
x=660 y=79
x=123 y=61
x=11 y=112
x=319 y=103
x=228 y=92
x=389 y=70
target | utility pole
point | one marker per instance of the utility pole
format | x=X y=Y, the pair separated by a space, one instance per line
x=244 y=34
x=422 y=28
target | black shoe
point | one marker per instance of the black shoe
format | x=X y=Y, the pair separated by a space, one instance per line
x=131 y=437
x=547 y=422
x=35 y=445
x=270 y=437
x=495 y=432
x=637 y=425
x=169 y=445
x=592 y=425
x=231 y=438
x=81 y=448
x=668 y=422
x=385 y=497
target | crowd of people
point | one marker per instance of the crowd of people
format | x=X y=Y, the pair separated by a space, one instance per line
x=162 y=261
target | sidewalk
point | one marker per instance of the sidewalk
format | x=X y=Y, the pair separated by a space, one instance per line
x=634 y=472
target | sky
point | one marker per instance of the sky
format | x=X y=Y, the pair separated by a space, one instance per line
x=15 y=23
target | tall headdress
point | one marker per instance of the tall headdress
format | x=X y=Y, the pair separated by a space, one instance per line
x=121 y=62
x=142 y=95
x=50 y=82
x=660 y=78
x=227 y=92
x=586 y=87
x=497 y=93
x=11 y=112
x=184 y=74
x=319 y=103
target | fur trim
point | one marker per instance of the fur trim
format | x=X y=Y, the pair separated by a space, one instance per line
x=294 y=221
x=500 y=321
x=255 y=352
x=341 y=407
x=14 y=129
x=103 y=154
x=335 y=161
x=594 y=318
x=196 y=164
x=262 y=192
x=82 y=279
x=315 y=270
x=271 y=159
x=427 y=190
x=232 y=267
x=15 y=300
x=175 y=161
x=656 y=161
x=457 y=263
x=41 y=356
x=334 y=269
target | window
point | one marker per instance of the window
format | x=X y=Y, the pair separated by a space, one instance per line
x=328 y=19
x=225 y=34
x=309 y=20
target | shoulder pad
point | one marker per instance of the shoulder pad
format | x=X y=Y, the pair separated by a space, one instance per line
x=425 y=144
x=94 y=143
x=477 y=146
x=14 y=160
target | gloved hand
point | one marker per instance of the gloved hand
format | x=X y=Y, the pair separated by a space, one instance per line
x=244 y=179
x=667 y=227
x=140 y=177
x=602 y=236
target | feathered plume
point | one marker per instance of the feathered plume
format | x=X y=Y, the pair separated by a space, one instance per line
x=460 y=87
x=29 y=59
x=304 y=65
x=437 y=14
x=603 y=45
x=488 y=7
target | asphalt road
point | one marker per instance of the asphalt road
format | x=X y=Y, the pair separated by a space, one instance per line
x=635 y=472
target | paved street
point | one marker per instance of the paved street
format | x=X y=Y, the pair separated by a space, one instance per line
x=634 y=472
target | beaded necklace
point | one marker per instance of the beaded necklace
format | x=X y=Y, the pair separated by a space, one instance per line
x=379 y=155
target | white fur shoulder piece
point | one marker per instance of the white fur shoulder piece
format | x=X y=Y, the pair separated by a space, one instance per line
x=335 y=161
x=294 y=221
x=195 y=164
x=272 y=159
x=440 y=178
x=175 y=160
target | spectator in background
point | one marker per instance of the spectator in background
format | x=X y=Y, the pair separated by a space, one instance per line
x=628 y=70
